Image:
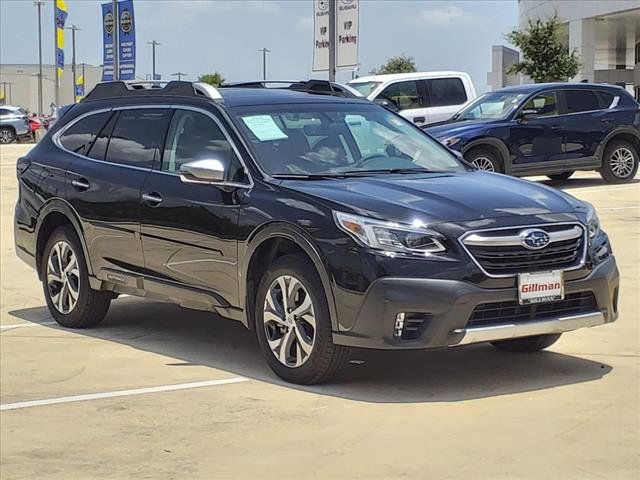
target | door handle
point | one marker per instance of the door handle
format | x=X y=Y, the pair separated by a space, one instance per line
x=419 y=119
x=152 y=198
x=80 y=184
x=606 y=120
x=556 y=127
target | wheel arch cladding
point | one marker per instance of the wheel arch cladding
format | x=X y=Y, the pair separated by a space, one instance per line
x=495 y=145
x=273 y=241
x=626 y=134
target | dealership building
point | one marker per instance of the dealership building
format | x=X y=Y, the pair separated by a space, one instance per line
x=605 y=34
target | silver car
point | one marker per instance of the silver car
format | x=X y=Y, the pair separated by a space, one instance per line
x=14 y=124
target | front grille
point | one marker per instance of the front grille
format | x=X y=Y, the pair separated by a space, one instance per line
x=505 y=260
x=506 y=312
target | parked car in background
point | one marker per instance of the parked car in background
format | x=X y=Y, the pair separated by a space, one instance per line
x=549 y=129
x=421 y=97
x=14 y=124
x=320 y=222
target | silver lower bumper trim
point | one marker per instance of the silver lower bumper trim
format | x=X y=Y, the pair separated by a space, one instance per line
x=504 y=331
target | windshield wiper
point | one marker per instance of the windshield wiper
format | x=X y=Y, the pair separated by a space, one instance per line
x=306 y=176
x=386 y=170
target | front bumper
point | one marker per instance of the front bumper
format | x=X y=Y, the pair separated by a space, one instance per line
x=448 y=305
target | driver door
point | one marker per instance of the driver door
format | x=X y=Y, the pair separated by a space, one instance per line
x=410 y=98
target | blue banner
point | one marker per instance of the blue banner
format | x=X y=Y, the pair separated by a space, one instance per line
x=126 y=41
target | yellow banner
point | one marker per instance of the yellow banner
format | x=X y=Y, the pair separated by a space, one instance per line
x=80 y=80
x=59 y=38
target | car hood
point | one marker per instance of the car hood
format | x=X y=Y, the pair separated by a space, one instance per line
x=453 y=129
x=435 y=198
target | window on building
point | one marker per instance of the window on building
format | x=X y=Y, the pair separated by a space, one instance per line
x=446 y=91
x=79 y=137
x=137 y=137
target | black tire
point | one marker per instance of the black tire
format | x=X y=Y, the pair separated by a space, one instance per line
x=559 y=177
x=527 y=344
x=608 y=171
x=325 y=358
x=7 y=135
x=484 y=159
x=91 y=305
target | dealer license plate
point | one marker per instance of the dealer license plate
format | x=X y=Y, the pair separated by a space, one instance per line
x=540 y=287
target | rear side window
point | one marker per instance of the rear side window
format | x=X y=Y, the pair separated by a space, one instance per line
x=137 y=137
x=79 y=137
x=605 y=99
x=99 y=147
x=404 y=95
x=581 y=101
x=446 y=91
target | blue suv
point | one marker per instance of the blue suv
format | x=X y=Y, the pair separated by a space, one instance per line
x=549 y=129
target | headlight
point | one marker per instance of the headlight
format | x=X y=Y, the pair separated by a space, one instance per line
x=593 y=222
x=450 y=141
x=390 y=236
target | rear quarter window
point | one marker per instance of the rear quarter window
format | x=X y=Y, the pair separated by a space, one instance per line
x=581 y=101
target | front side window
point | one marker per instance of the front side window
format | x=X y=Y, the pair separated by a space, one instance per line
x=79 y=137
x=491 y=106
x=405 y=95
x=339 y=140
x=195 y=136
x=581 y=101
x=444 y=92
x=137 y=137
x=543 y=105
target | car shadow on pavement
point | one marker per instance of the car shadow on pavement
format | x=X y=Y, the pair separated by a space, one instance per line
x=582 y=183
x=447 y=375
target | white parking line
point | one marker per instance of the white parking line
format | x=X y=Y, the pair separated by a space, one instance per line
x=120 y=393
x=602 y=189
x=619 y=208
x=22 y=325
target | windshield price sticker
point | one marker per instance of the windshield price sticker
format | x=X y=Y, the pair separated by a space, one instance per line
x=540 y=287
x=264 y=127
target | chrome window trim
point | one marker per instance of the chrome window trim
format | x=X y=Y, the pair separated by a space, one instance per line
x=580 y=264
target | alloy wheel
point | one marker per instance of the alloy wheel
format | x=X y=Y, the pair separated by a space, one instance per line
x=483 y=163
x=622 y=162
x=289 y=321
x=63 y=277
x=6 y=136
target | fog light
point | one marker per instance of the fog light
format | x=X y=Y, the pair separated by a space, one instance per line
x=399 y=325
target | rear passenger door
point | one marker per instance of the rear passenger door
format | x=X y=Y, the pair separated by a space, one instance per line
x=105 y=180
x=587 y=120
x=446 y=96
x=410 y=98
x=189 y=229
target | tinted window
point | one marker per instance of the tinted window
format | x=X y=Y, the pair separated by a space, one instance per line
x=404 y=94
x=101 y=142
x=605 y=98
x=581 y=101
x=446 y=91
x=137 y=137
x=195 y=136
x=543 y=105
x=79 y=137
x=4 y=111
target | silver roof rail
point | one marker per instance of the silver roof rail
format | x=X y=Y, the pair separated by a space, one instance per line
x=207 y=90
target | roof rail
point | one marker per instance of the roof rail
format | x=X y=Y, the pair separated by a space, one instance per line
x=318 y=87
x=152 y=88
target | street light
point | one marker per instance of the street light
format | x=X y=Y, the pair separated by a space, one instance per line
x=264 y=62
x=39 y=4
x=179 y=75
x=73 y=29
x=153 y=44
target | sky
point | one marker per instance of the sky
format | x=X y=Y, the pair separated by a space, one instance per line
x=206 y=35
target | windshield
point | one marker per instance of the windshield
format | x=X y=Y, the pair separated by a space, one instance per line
x=491 y=106
x=365 y=88
x=339 y=139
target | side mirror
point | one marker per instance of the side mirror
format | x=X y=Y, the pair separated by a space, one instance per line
x=383 y=102
x=202 y=171
x=528 y=114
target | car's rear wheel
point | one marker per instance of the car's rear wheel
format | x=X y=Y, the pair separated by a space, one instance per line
x=7 y=135
x=484 y=159
x=620 y=162
x=527 y=344
x=293 y=324
x=70 y=299
x=558 y=177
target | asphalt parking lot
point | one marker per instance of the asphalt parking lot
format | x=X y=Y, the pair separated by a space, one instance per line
x=173 y=393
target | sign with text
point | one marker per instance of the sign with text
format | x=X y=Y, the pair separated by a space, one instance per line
x=347 y=25
x=126 y=41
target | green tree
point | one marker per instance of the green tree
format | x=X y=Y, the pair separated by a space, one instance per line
x=546 y=58
x=398 y=64
x=216 y=79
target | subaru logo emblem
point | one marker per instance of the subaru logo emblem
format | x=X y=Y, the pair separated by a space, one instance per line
x=534 y=239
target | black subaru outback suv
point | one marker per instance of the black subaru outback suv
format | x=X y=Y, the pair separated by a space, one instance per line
x=319 y=222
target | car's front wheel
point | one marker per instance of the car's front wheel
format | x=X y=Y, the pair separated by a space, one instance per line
x=620 y=162
x=293 y=324
x=484 y=159
x=65 y=279
x=527 y=344
x=7 y=135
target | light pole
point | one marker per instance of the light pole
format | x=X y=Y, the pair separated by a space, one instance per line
x=264 y=62
x=153 y=44
x=39 y=4
x=332 y=40
x=179 y=75
x=116 y=39
x=73 y=29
